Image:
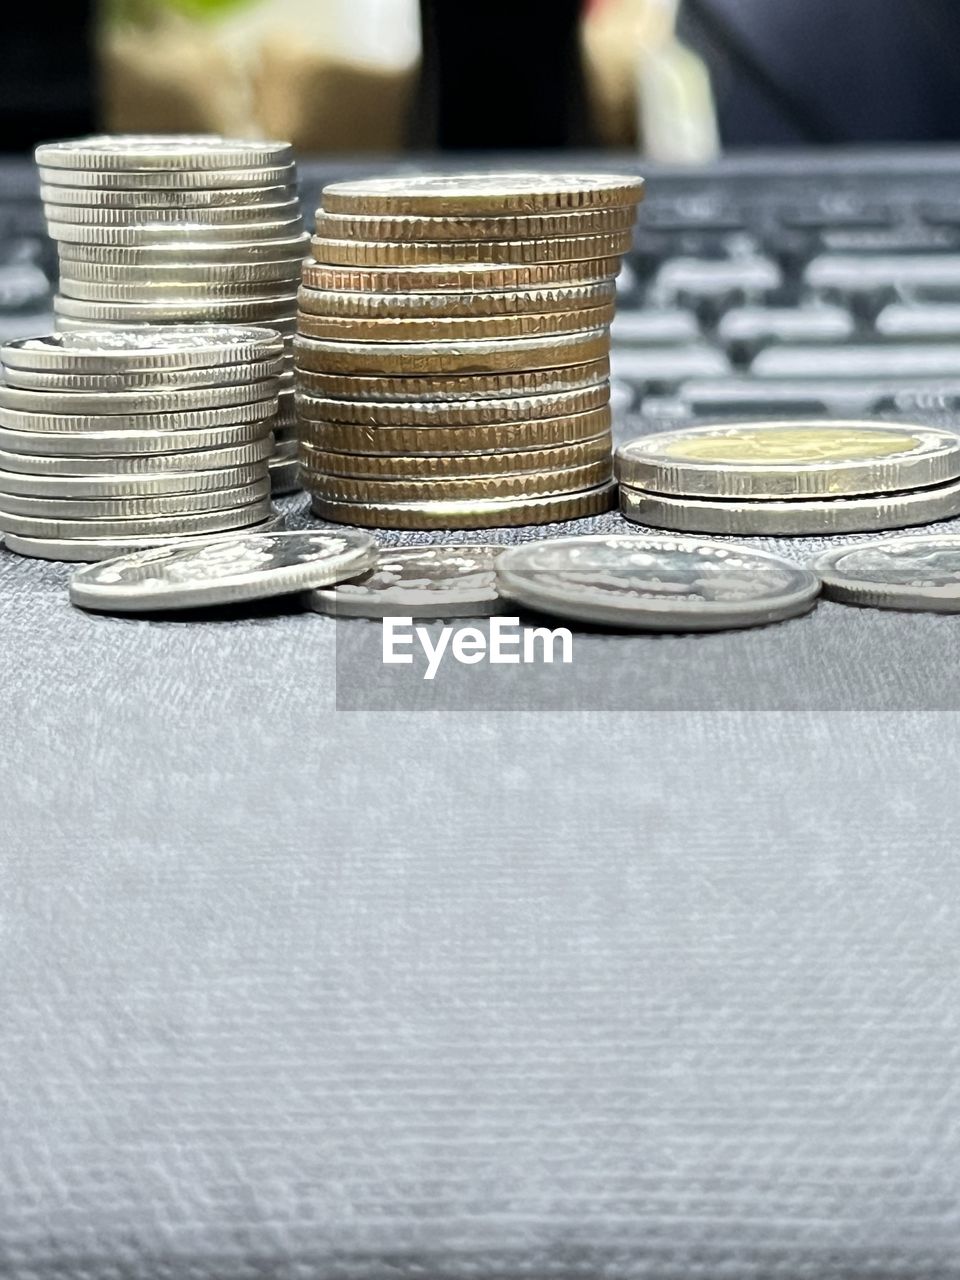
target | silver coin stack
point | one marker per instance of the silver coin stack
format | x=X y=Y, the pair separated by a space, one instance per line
x=799 y=478
x=111 y=441
x=179 y=230
x=453 y=348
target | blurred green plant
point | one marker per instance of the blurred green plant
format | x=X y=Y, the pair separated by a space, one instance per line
x=147 y=12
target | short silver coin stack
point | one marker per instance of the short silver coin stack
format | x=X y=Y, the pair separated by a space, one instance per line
x=112 y=441
x=173 y=229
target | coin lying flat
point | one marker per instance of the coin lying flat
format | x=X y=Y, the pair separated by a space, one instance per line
x=150 y=465
x=517 y=226
x=800 y=459
x=260 y=411
x=177 y=274
x=454 y=514
x=135 y=508
x=101 y=485
x=797 y=516
x=919 y=572
x=161 y=347
x=143 y=441
x=481 y=193
x=455 y=442
x=254 y=311
x=79 y=550
x=419 y=582
x=182 y=234
x=175 y=380
x=188 y=217
x=464 y=277
x=136 y=527
x=387 y=253
x=424 y=467
x=426 y=306
x=460 y=413
x=503 y=485
x=222 y=571
x=167 y=198
x=169 y=294
x=445 y=388
x=173 y=181
x=447 y=358
x=161 y=151
x=187 y=253
x=655 y=584
x=146 y=401
x=452 y=328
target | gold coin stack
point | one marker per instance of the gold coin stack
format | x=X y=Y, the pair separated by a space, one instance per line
x=452 y=348
x=172 y=229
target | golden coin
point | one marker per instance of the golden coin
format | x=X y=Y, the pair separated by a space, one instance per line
x=464 y=278
x=396 y=306
x=431 y=466
x=482 y=193
x=385 y=253
x=452 y=328
x=533 y=484
x=489 y=514
x=439 y=387
x=522 y=226
x=349 y=437
x=457 y=413
x=410 y=359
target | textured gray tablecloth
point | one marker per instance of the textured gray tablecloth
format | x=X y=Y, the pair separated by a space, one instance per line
x=291 y=992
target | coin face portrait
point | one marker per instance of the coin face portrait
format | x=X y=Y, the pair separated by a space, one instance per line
x=454 y=580
x=791 y=445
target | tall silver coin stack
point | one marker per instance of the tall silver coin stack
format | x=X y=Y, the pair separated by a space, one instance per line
x=174 y=229
x=452 y=348
x=116 y=440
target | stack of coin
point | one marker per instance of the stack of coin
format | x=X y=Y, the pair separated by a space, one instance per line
x=452 y=348
x=178 y=230
x=115 y=440
x=791 y=477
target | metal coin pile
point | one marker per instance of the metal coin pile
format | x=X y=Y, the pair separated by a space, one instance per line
x=452 y=349
x=791 y=477
x=178 y=230
x=115 y=440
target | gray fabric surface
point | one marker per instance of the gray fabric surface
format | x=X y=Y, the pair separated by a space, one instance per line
x=295 y=992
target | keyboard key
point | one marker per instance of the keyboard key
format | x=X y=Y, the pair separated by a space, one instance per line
x=660 y=369
x=697 y=211
x=712 y=287
x=877 y=361
x=757 y=398
x=670 y=327
x=926 y=322
x=888 y=276
x=836 y=209
x=913 y=239
x=746 y=330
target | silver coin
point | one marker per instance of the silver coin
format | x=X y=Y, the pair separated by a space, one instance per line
x=136 y=508
x=283 y=329
x=166 y=198
x=138 y=442
x=136 y=527
x=919 y=572
x=118 y=151
x=149 y=485
x=157 y=347
x=279 y=306
x=172 y=293
x=168 y=274
x=223 y=571
x=184 y=235
x=186 y=253
x=790 y=459
x=167 y=380
x=443 y=581
x=77 y=550
x=144 y=466
x=208 y=217
x=797 y=517
x=655 y=583
x=170 y=180
x=260 y=411
x=145 y=401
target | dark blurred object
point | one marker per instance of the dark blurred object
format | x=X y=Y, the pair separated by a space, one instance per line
x=829 y=71
x=504 y=75
x=46 y=73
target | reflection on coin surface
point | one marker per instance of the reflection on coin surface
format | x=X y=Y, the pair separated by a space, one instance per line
x=655 y=583
x=790 y=459
x=420 y=582
x=917 y=572
x=477 y=193
x=149 y=347
x=222 y=571
x=161 y=151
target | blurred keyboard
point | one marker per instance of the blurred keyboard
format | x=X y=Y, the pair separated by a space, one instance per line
x=799 y=283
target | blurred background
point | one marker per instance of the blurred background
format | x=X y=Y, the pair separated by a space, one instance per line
x=674 y=80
